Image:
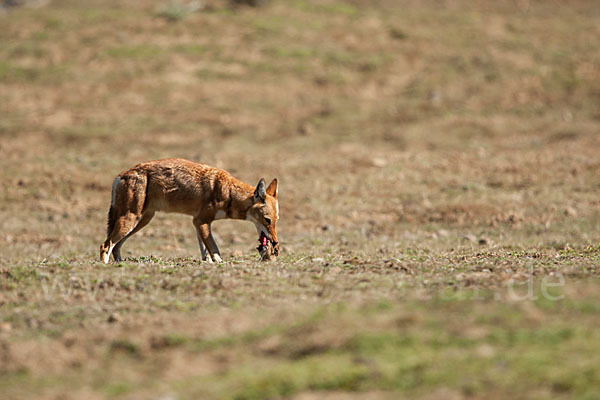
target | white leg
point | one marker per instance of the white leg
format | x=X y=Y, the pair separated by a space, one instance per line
x=107 y=255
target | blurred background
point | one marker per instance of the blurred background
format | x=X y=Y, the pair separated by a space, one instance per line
x=398 y=120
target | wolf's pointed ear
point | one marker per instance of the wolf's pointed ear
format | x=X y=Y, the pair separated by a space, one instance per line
x=272 y=188
x=260 y=193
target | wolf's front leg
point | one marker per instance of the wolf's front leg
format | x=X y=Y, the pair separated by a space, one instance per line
x=212 y=246
x=206 y=238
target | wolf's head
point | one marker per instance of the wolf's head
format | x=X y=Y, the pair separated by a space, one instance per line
x=264 y=212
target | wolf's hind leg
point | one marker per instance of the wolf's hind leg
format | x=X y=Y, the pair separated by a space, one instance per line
x=202 y=247
x=146 y=218
x=126 y=211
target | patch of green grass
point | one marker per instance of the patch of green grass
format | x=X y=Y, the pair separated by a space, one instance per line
x=12 y=73
x=125 y=346
x=175 y=11
x=116 y=389
x=208 y=73
x=137 y=52
x=268 y=26
x=191 y=49
x=227 y=341
x=53 y=23
x=292 y=52
x=21 y=273
x=12 y=384
x=174 y=339
x=330 y=372
x=332 y=8
x=418 y=358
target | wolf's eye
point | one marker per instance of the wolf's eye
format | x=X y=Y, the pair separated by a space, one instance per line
x=268 y=221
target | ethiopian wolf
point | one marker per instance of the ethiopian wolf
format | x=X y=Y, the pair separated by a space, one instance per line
x=181 y=186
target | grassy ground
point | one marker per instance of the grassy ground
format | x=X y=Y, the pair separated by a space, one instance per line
x=439 y=179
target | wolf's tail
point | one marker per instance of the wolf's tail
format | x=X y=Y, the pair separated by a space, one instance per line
x=112 y=217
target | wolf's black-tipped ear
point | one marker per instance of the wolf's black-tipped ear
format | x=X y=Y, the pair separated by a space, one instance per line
x=260 y=194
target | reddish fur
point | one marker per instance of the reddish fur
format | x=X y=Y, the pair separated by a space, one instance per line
x=185 y=187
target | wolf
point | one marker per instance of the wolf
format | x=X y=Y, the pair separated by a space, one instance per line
x=206 y=193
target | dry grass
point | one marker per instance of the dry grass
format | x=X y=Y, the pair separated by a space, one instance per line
x=432 y=158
